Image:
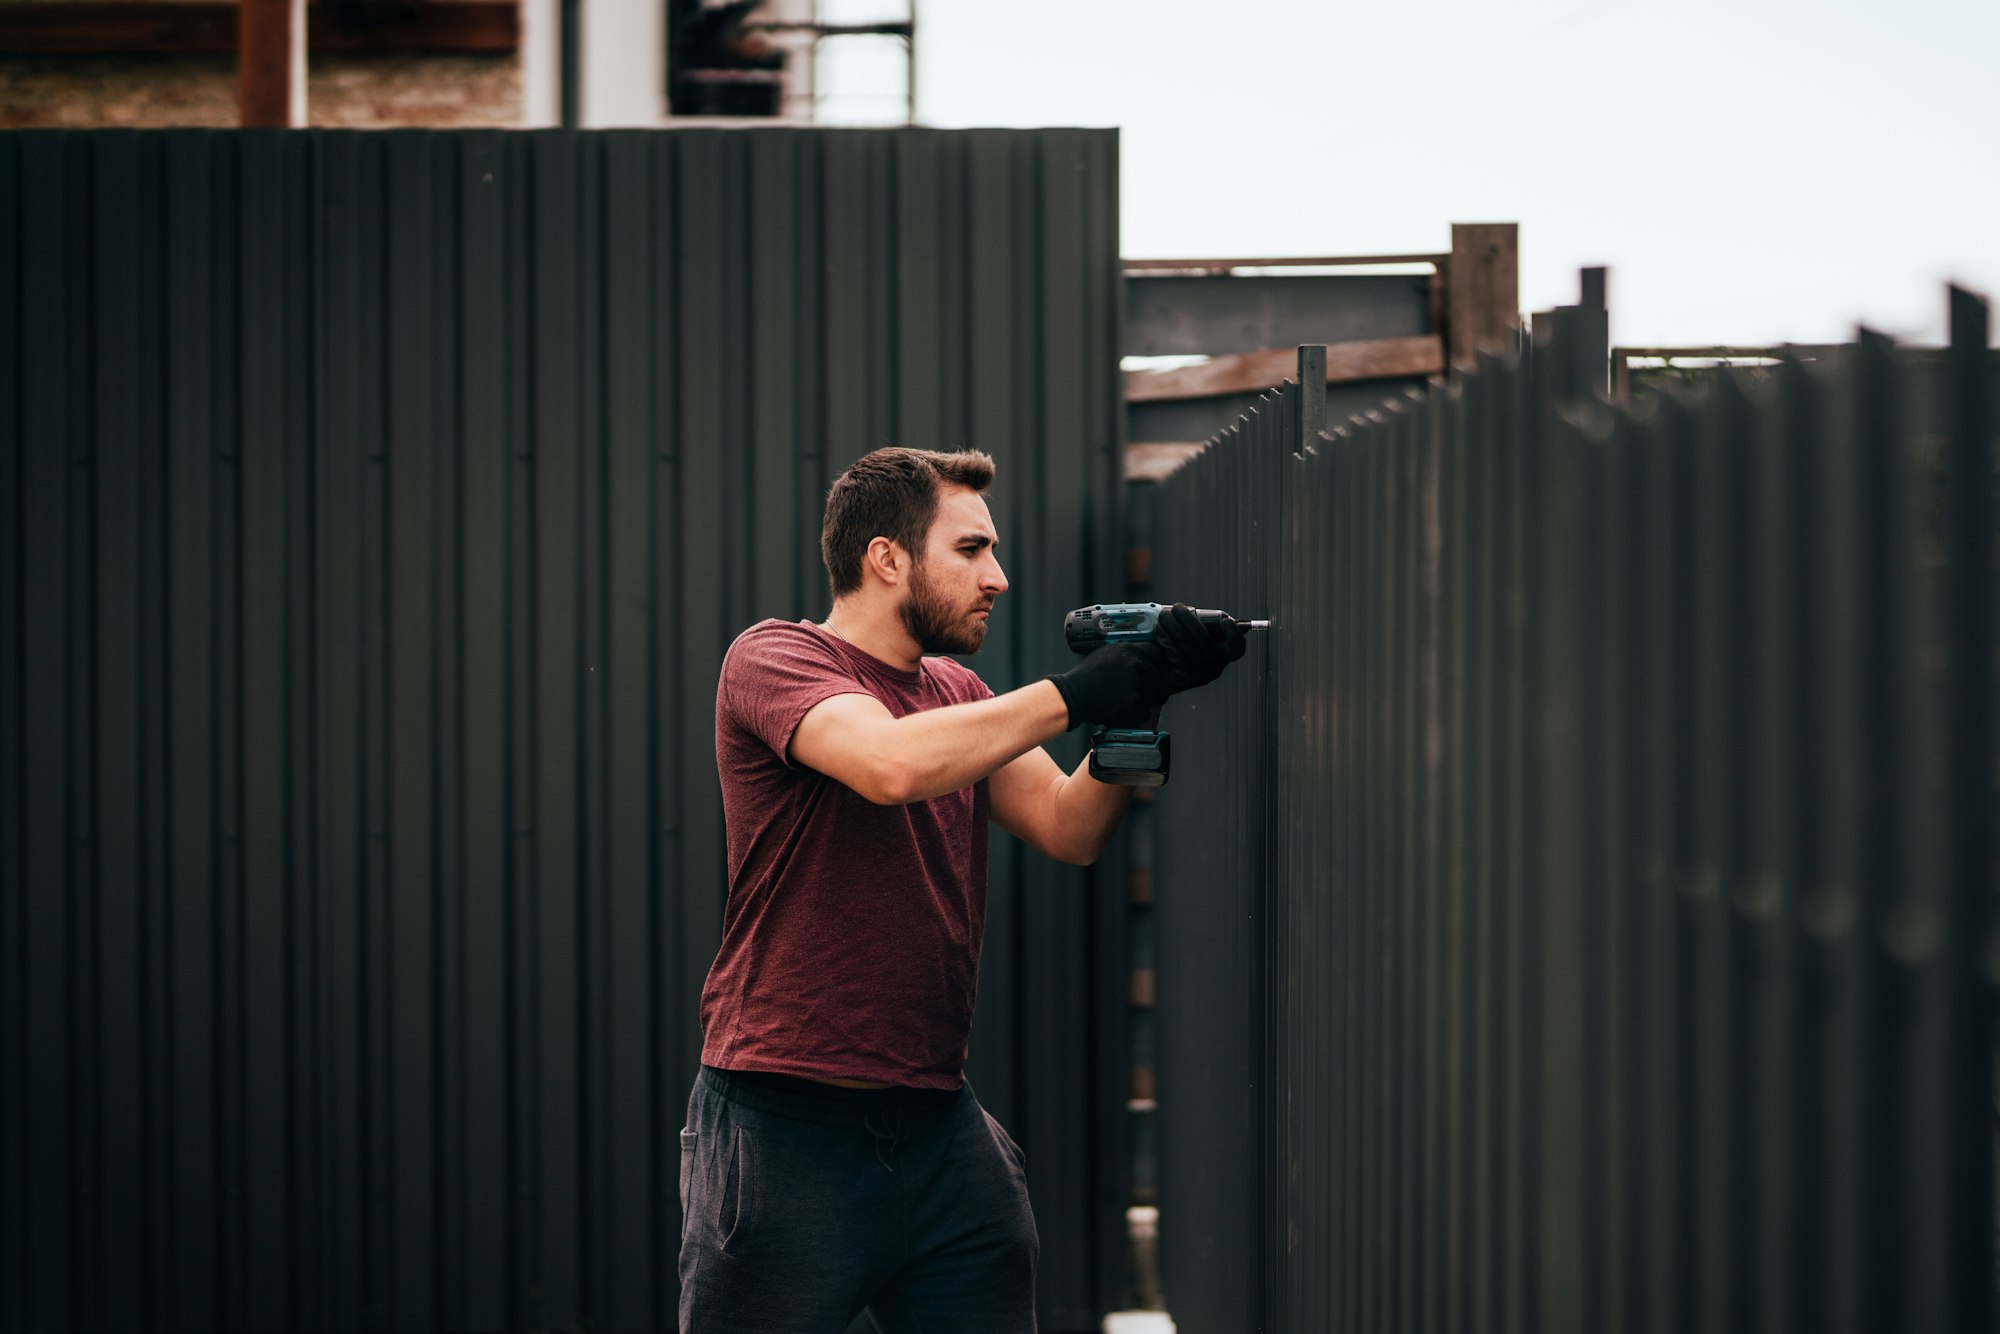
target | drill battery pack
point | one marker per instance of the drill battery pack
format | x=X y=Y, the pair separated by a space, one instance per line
x=1130 y=757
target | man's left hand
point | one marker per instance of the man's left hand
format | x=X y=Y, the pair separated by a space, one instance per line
x=1194 y=656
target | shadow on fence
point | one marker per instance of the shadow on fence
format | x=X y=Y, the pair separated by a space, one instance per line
x=1579 y=913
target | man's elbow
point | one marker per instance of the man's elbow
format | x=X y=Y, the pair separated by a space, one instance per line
x=1060 y=834
x=890 y=782
x=1080 y=851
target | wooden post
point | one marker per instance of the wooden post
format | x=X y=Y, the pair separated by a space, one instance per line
x=1484 y=302
x=271 y=63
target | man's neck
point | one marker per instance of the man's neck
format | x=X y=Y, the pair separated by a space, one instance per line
x=876 y=630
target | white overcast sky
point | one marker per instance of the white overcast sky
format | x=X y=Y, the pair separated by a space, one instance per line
x=1752 y=171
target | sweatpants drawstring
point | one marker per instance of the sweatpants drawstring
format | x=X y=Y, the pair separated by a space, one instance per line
x=886 y=1125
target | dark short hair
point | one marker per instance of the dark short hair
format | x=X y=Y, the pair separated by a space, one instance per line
x=890 y=493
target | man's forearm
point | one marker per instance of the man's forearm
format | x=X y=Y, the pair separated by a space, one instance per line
x=942 y=750
x=1087 y=814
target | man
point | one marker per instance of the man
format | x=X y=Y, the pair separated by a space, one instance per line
x=834 y=1157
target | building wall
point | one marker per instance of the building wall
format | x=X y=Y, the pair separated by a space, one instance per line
x=622 y=74
x=357 y=92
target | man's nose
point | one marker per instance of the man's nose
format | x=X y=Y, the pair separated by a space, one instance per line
x=996 y=579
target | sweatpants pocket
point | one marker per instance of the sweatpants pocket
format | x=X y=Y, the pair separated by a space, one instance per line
x=1013 y=1152
x=737 y=1197
x=689 y=1139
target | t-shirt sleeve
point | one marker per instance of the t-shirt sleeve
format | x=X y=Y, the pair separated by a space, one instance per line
x=772 y=679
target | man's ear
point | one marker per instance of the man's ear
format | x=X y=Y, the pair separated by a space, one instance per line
x=888 y=560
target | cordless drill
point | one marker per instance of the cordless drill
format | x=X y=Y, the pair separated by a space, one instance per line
x=1132 y=756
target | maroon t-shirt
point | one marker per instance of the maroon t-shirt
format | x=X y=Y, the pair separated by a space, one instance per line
x=850 y=941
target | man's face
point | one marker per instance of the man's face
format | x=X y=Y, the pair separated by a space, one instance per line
x=954 y=583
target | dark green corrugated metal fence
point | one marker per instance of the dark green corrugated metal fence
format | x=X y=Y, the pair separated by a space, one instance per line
x=1578 y=913
x=374 y=512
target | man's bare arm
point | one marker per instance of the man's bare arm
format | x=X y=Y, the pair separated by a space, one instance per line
x=891 y=760
x=1067 y=816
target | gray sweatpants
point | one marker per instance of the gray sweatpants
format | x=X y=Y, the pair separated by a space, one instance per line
x=801 y=1204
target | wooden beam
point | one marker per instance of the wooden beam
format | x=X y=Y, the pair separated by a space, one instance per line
x=117 y=29
x=1249 y=372
x=131 y=27
x=1725 y=353
x=486 y=27
x=1483 y=308
x=1289 y=262
x=271 y=63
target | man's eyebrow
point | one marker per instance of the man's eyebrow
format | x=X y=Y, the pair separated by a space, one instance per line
x=977 y=539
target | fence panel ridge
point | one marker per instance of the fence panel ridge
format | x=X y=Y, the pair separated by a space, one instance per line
x=1589 y=884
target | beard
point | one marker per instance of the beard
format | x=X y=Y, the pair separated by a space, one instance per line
x=936 y=625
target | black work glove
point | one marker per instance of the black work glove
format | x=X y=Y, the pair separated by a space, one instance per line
x=1195 y=654
x=1119 y=685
